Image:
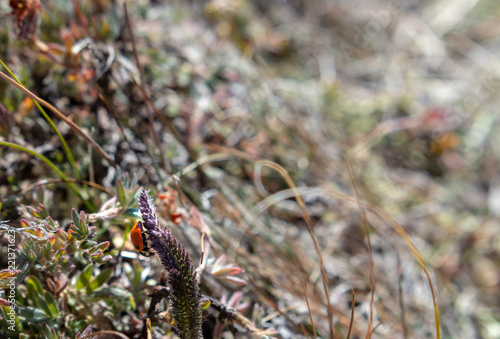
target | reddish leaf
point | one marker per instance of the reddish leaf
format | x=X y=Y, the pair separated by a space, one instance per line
x=7 y=273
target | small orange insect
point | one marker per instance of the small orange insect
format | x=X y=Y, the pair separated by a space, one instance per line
x=27 y=13
x=139 y=239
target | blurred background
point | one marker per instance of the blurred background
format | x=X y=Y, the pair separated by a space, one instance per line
x=403 y=95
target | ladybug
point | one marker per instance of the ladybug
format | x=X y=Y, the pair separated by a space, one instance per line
x=139 y=238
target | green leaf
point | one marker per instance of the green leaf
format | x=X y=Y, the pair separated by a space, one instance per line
x=101 y=279
x=103 y=246
x=38 y=254
x=59 y=253
x=4 y=310
x=48 y=332
x=26 y=248
x=51 y=268
x=34 y=285
x=62 y=234
x=52 y=304
x=87 y=244
x=42 y=304
x=33 y=314
x=67 y=267
x=71 y=247
x=84 y=230
x=33 y=211
x=132 y=302
x=137 y=278
x=42 y=211
x=32 y=256
x=113 y=292
x=23 y=255
x=51 y=224
x=74 y=234
x=122 y=197
x=47 y=250
x=132 y=213
x=84 y=278
x=75 y=217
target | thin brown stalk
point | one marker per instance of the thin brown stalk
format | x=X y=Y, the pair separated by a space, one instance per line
x=309 y=310
x=380 y=323
x=143 y=82
x=351 y=323
x=364 y=225
x=303 y=328
x=401 y=301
